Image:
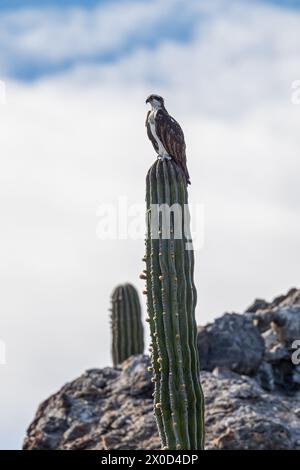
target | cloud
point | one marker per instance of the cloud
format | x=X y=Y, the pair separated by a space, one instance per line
x=256 y=64
x=75 y=140
x=52 y=36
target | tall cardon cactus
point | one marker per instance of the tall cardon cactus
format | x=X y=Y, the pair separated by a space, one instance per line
x=171 y=302
x=126 y=324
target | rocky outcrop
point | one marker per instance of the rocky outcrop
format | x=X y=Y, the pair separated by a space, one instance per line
x=113 y=409
x=279 y=324
x=258 y=343
x=233 y=342
x=108 y=408
x=251 y=388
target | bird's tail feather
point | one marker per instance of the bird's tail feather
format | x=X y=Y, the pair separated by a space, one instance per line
x=186 y=174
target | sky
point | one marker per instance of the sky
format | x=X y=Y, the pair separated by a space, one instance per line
x=73 y=142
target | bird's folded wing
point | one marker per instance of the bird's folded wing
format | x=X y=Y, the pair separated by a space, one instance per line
x=170 y=133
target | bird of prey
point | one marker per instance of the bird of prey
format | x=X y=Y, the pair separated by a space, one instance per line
x=166 y=134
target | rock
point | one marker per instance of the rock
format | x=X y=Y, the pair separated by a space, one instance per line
x=265 y=376
x=291 y=298
x=262 y=320
x=277 y=353
x=103 y=409
x=258 y=304
x=258 y=343
x=279 y=323
x=112 y=409
x=265 y=312
x=296 y=374
x=231 y=341
x=270 y=338
x=286 y=324
x=241 y=415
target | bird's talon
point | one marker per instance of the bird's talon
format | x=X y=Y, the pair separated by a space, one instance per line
x=164 y=157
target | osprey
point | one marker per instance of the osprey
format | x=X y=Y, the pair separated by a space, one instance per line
x=166 y=134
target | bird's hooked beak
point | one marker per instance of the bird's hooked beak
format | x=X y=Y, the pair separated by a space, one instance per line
x=147 y=100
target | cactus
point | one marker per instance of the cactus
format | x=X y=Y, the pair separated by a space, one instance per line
x=171 y=302
x=126 y=323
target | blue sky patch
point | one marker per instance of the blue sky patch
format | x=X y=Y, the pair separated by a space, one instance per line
x=27 y=63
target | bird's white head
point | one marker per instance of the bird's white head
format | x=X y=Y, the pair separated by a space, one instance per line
x=156 y=101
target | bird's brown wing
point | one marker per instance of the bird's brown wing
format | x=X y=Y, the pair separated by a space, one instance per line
x=171 y=135
x=149 y=133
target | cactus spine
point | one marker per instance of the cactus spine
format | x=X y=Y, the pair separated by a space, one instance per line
x=171 y=302
x=126 y=323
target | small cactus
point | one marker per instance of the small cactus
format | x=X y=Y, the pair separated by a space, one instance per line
x=171 y=302
x=126 y=324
